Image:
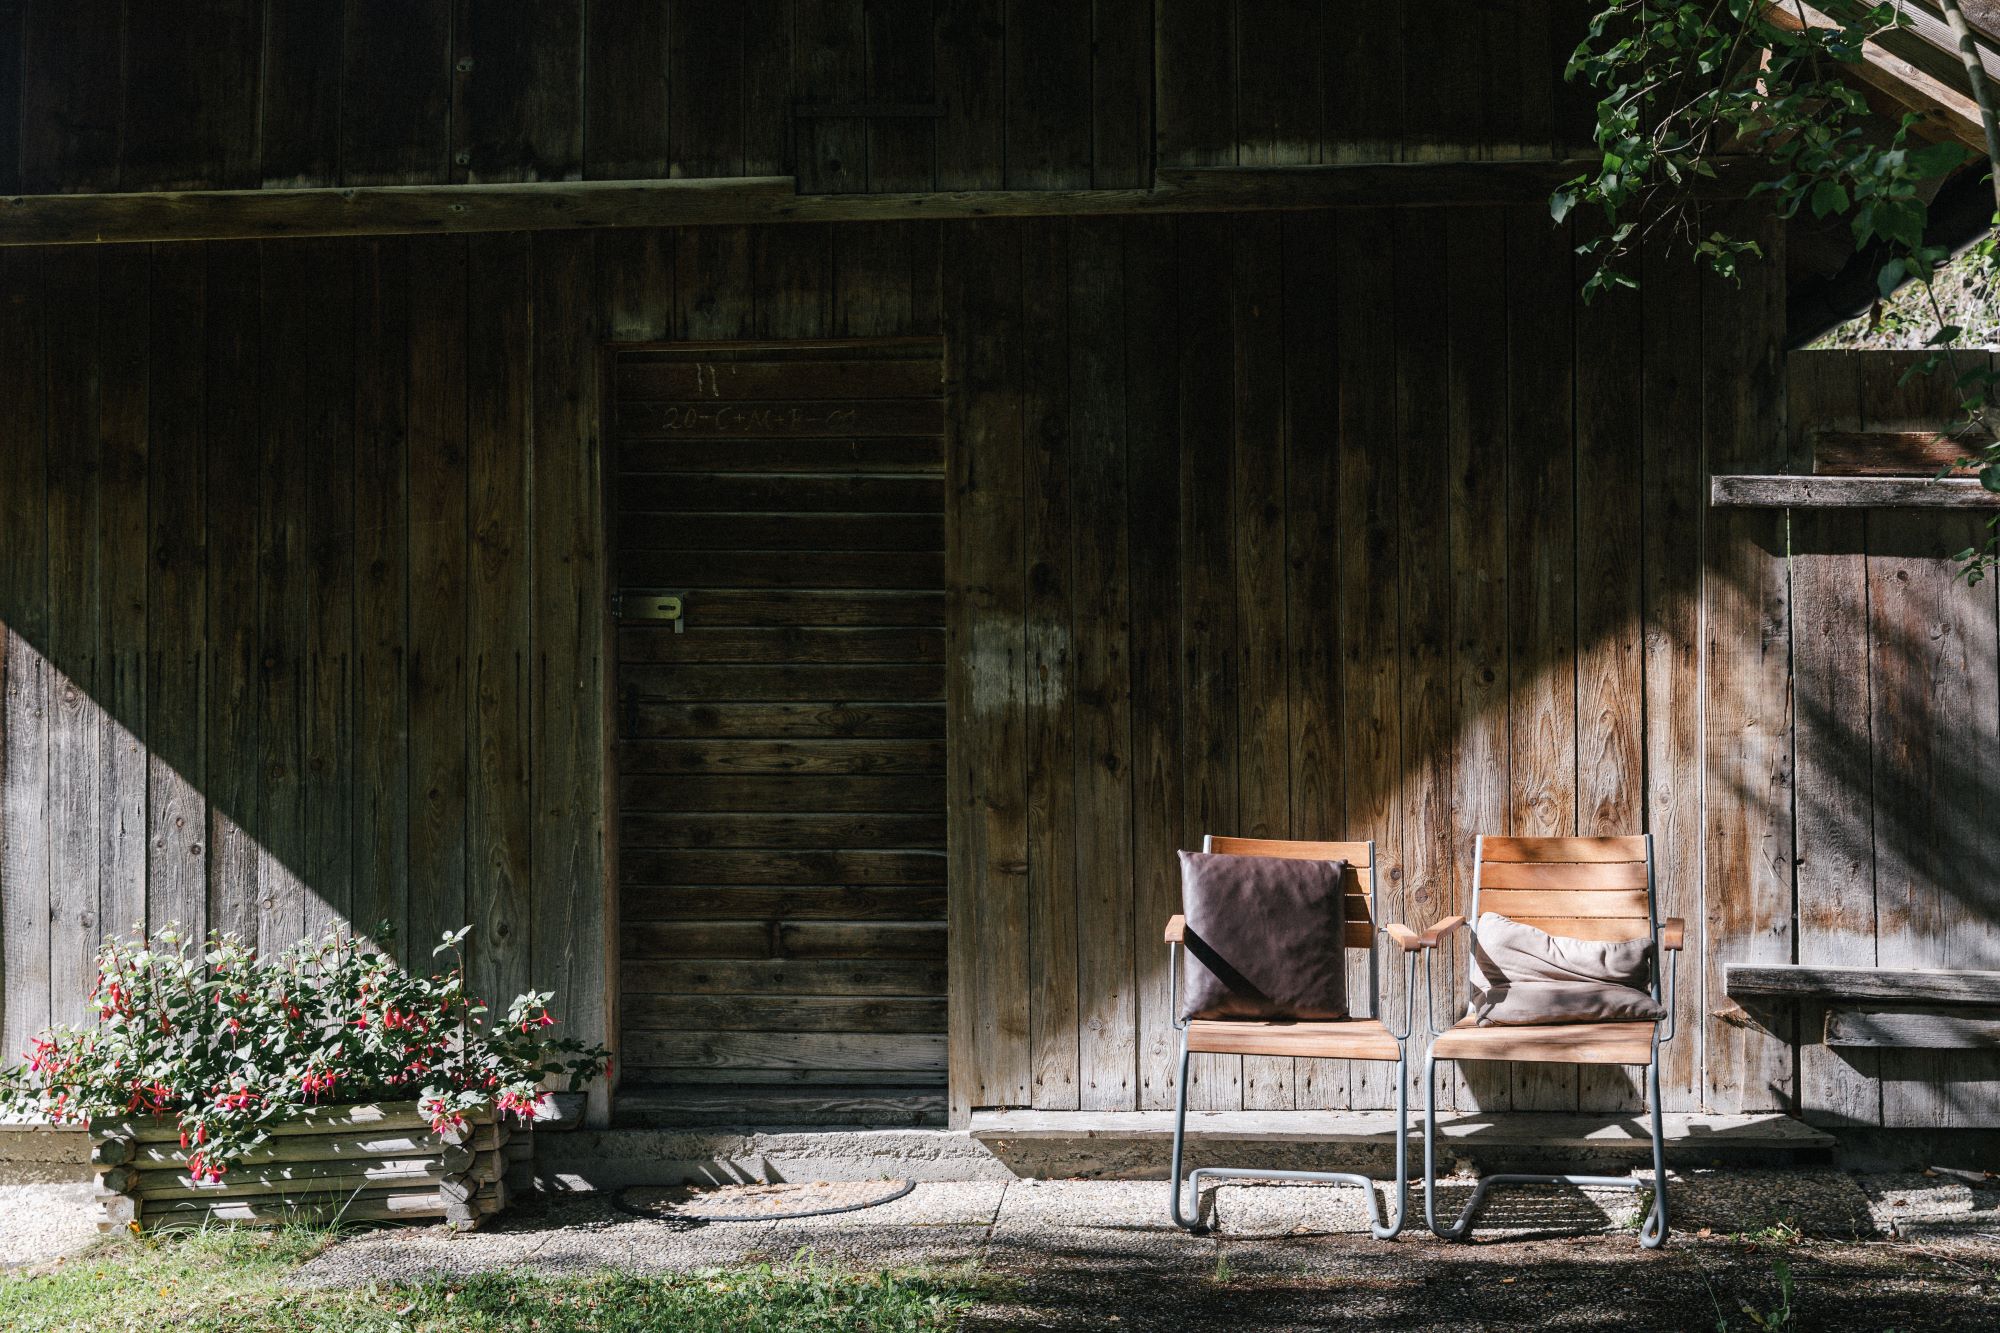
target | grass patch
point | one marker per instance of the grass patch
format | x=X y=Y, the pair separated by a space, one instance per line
x=238 y=1282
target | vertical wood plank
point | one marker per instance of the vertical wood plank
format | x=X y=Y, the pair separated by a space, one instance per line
x=13 y=27
x=711 y=278
x=574 y=916
x=70 y=57
x=281 y=597
x=395 y=105
x=1476 y=400
x=382 y=593
x=327 y=695
x=75 y=631
x=635 y=280
x=902 y=46
x=625 y=92
x=1264 y=795
x=1280 y=104
x=874 y=279
x=1370 y=572
x=177 y=595
x=297 y=125
x=1107 y=1029
x=1048 y=95
x=830 y=65
x=1747 y=803
x=1674 y=516
x=231 y=409
x=986 y=743
x=1209 y=749
x=1541 y=537
x=25 y=671
x=120 y=695
x=792 y=282
x=971 y=81
x=1610 y=679
x=1050 y=684
x=1121 y=94
x=438 y=592
x=1836 y=835
x=704 y=90
x=192 y=77
x=1421 y=895
x=1152 y=395
x=518 y=110
x=768 y=35
x=500 y=410
x=1312 y=475
x=1194 y=90
x=1364 y=92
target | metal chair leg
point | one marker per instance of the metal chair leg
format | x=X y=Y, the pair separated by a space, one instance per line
x=1653 y=1233
x=1190 y=1218
x=1395 y=1224
x=1458 y=1229
x=1180 y=1140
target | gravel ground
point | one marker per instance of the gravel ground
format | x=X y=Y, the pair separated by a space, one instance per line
x=1865 y=1251
x=43 y=1222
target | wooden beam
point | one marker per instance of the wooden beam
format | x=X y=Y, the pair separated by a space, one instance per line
x=1794 y=981
x=208 y=215
x=1787 y=491
x=1902 y=83
x=1920 y=1029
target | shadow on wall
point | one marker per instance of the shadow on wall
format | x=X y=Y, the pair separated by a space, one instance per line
x=279 y=651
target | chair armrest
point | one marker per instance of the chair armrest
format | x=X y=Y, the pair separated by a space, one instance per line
x=1436 y=934
x=1176 y=928
x=1672 y=932
x=1406 y=939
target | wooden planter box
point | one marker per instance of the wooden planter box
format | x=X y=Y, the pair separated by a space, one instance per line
x=374 y=1162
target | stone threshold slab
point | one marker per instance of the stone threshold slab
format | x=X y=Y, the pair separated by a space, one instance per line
x=1512 y=1129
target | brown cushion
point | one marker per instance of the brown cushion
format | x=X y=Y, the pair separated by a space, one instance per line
x=1522 y=976
x=1265 y=937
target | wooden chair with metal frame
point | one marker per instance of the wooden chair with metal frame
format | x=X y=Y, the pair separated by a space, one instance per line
x=1357 y=1038
x=1578 y=888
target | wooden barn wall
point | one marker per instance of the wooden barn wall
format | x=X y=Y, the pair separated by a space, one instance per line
x=302 y=605
x=1898 y=752
x=845 y=95
x=1347 y=526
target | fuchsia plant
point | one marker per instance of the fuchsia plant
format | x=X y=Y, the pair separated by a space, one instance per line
x=226 y=1042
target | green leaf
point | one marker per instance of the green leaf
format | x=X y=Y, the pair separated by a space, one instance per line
x=1828 y=198
x=1560 y=204
x=1891 y=277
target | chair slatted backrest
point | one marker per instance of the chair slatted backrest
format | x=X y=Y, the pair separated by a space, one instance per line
x=1360 y=878
x=1581 y=888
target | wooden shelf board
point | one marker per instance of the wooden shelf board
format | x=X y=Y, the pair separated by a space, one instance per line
x=1787 y=491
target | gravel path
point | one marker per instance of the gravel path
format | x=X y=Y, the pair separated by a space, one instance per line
x=1865 y=1251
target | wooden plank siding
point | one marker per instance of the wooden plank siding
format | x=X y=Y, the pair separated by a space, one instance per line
x=1896 y=659
x=892 y=95
x=1285 y=529
x=272 y=621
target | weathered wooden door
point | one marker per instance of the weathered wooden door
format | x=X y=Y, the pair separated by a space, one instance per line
x=781 y=742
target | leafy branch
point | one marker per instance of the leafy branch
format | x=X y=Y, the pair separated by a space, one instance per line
x=1685 y=85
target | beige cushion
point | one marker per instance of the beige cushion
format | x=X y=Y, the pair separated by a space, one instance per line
x=1524 y=976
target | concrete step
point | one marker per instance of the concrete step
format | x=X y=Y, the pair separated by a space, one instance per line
x=1128 y=1144
x=1134 y=1145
